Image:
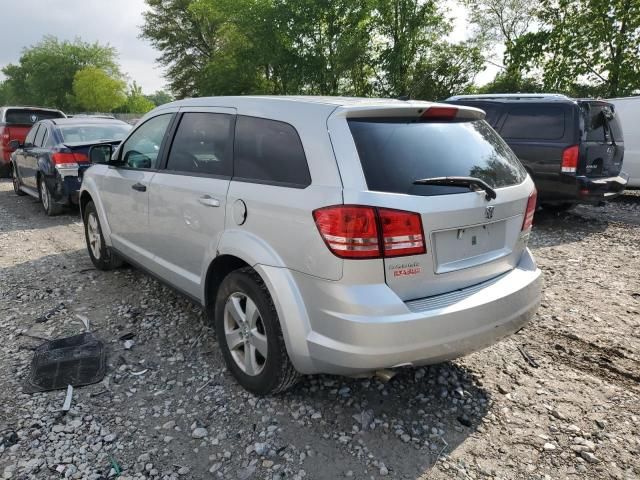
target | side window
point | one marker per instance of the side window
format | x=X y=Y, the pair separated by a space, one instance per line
x=534 y=122
x=202 y=144
x=268 y=151
x=31 y=136
x=142 y=148
x=41 y=136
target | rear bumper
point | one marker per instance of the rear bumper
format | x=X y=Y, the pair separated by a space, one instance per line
x=593 y=190
x=361 y=328
x=65 y=185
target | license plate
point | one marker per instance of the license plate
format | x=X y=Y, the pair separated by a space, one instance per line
x=466 y=247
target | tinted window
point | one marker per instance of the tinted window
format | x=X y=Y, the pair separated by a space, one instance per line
x=395 y=153
x=93 y=133
x=202 y=144
x=539 y=122
x=41 y=136
x=602 y=124
x=29 y=117
x=142 y=148
x=269 y=151
x=31 y=136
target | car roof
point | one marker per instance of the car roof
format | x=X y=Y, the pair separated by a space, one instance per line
x=84 y=121
x=29 y=107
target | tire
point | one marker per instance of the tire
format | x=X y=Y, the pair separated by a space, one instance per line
x=16 y=181
x=49 y=205
x=267 y=368
x=102 y=256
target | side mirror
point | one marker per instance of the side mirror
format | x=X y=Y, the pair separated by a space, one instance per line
x=15 y=144
x=100 y=153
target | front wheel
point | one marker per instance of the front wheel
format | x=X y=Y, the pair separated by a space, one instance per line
x=49 y=205
x=250 y=336
x=102 y=257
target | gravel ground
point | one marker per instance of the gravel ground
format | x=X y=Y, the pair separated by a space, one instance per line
x=574 y=412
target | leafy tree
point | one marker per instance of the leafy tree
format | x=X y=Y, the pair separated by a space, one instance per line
x=5 y=94
x=96 y=91
x=136 y=101
x=512 y=82
x=585 y=46
x=160 y=97
x=45 y=72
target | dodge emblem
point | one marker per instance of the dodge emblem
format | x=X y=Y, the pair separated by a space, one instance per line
x=488 y=212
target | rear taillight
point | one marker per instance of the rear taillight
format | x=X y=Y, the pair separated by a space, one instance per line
x=5 y=136
x=355 y=231
x=570 y=159
x=530 y=211
x=65 y=158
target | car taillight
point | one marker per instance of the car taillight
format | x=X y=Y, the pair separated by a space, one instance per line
x=530 y=211
x=356 y=231
x=62 y=158
x=570 y=159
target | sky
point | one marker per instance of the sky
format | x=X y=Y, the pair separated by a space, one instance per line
x=116 y=22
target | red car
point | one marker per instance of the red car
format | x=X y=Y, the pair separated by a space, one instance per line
x=15 y=123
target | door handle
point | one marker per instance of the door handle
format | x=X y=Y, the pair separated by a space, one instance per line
x=139 y=187
x=209 y=201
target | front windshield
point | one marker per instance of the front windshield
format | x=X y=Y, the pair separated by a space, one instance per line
x=93 y=133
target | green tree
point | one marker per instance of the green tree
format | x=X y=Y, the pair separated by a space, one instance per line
x=583 y=46
x=511 y=81
x=160 y=97
x=136 y=101
x=5 y=94
x=96 y=91
x=45 y=72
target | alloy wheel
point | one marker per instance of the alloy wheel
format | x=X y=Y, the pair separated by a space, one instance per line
x=44 y=194
x=93 y=235
x=245 y=334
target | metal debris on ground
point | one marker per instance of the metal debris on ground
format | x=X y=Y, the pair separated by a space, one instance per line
x=77 y=360
x=66 y=406
x=46 y=316
x=141 y=372
x=84 y=320
x=527 y=357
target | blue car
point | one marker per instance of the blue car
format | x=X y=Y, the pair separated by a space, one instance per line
x=50 y=164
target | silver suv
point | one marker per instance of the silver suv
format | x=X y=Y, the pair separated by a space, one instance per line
x=324 y=235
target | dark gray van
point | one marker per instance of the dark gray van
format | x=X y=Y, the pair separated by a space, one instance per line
x=573 y=148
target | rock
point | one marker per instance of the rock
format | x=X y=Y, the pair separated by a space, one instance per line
x=267 y=463
x=199 y=432
x=215 y=467
x=261 y=448
x=183 y=471
x=405 y=437
x=549 y=447
x=246 y=472
x=502 y=389
x=589 y=457
x=384 y=471
x=169 y=425
x=110 y=438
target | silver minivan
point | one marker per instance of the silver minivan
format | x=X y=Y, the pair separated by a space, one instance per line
x=323 y=235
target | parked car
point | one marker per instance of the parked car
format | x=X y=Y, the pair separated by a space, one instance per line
x=15 y=123
x=572 y=148
x=50 y=163
x=323 y=234
x=628 y=113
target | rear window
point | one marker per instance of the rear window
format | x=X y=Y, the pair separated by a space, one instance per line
x=93 y=133
x=268 y=151
x=394 y=153
x=491 y=110
x=21 y=116
x=534 y=122
x=602 y=124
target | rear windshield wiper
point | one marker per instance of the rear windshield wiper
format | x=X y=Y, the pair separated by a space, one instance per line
x=471 y=182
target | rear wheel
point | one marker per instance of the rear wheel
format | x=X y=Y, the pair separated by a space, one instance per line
x=250 y=336
x=49 y=205
x=16 y=181
x=102 y=257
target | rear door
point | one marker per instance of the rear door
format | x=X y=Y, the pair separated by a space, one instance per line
x=469 y=239
x=20 y=157
x=32 y=154
x=603 y=141
x=187 y=198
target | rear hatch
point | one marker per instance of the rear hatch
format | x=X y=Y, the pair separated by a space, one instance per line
x=603 y=141
x=470 y=237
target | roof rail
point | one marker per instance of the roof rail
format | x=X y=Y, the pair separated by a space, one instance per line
x=511 y=96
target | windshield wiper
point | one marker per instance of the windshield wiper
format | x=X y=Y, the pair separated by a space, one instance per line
x=471 y=182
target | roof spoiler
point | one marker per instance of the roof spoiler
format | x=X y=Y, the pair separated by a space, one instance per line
x=434 y=111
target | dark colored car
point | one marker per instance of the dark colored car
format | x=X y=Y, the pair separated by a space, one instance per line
x=50 y=163
x=572 y=148
x=15 y=123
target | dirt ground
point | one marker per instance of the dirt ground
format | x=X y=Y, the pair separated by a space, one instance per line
x=571 y=410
